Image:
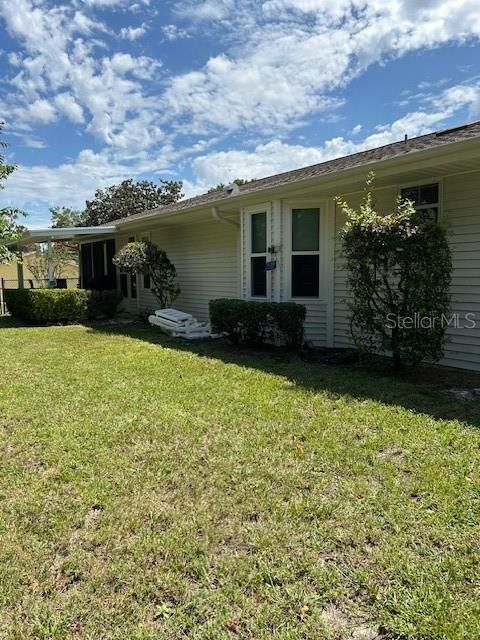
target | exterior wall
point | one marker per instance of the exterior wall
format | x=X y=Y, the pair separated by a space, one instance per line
x=9 y=273
x=278 y=280
x=385 y=201
x=212 y=261
x=460 y=211
x=207 y=258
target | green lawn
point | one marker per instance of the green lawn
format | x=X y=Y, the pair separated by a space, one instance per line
x=150 y=489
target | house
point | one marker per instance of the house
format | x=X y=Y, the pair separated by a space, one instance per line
x=33 y=272
x=221 y=241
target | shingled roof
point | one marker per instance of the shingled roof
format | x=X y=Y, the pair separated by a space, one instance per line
x=387 y=152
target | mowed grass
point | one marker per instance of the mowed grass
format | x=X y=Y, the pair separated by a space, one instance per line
x=150 y=489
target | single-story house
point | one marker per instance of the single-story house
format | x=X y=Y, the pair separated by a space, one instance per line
x=221 y=241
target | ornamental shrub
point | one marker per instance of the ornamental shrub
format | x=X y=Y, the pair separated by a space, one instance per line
x=255 y=322
x=399 y=269
x=103 y=303
x=43 y=306
x=148 y=259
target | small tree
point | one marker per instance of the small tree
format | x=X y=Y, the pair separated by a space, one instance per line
x=10 y=229
x=399 y=270
x=37 y=262
x=148 y=259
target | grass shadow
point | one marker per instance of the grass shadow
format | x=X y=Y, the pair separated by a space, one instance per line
x=359 y=383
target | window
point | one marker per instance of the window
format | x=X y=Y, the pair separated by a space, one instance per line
x=124 y=284
x=305 y=253
x=133 y=285
x=258 y=258
x=425 y=198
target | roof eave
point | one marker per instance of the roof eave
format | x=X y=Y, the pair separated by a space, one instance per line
x=383 y=167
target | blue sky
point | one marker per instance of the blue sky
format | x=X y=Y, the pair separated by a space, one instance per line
x=94 y=91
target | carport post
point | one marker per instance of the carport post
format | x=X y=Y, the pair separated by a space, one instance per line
x=49 y=261
x=21 y=283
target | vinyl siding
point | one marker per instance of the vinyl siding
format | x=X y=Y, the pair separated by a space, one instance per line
x=211 y=259
x=206 y=256
x=461 y=214
x=385 y=200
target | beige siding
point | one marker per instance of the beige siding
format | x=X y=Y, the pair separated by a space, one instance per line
x=385 y=200
x=461 y=214
x=209 y=264
x=206 y=256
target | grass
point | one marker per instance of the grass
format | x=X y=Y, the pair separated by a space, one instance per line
x=150 y=489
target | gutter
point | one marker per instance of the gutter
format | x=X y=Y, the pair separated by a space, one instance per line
x=381 y=167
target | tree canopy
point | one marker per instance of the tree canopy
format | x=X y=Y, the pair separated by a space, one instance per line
x=129 y=198
x=66 y=217
x=10 y=229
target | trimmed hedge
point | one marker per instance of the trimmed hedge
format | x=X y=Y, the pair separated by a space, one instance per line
x=47 y=305
x=258 y=322
x=44 y=306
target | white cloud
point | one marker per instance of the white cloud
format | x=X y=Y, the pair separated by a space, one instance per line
x=279 y=63
x=132 y=33
x=173 y=32
x=107 y=93
x=284 y=69
x=67 y=104
x=40 y=110
x=207 y=10
x=277 y=156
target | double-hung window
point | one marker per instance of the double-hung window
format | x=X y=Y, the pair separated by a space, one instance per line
x=305 y=255
x=258 y=254
x=425 y=198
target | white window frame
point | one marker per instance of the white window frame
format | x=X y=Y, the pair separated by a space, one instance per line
x=144 y=237
x=423 y=183
x=323 y=249
x=249 y=212
x=122 y=241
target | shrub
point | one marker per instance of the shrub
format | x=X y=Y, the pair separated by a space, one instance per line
x=146 y=258
x=258 y=322
x=41 y=306
x=399 y=269
x=103 y=303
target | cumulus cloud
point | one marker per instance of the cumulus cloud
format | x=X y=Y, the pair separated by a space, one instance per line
x=173 y=32
x=132 y=33
x=280 y=63
x=277 y=156
x=105 y=92
x=286 y=69
x=67 y=104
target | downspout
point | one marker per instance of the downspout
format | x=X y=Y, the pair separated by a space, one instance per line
x=216 y=216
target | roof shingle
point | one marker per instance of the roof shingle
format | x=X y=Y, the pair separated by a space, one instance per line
x=386 y=152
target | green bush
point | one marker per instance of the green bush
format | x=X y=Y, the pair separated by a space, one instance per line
x=399 y=270
x=103 y=303
x=258 y=322
x=42 y=306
